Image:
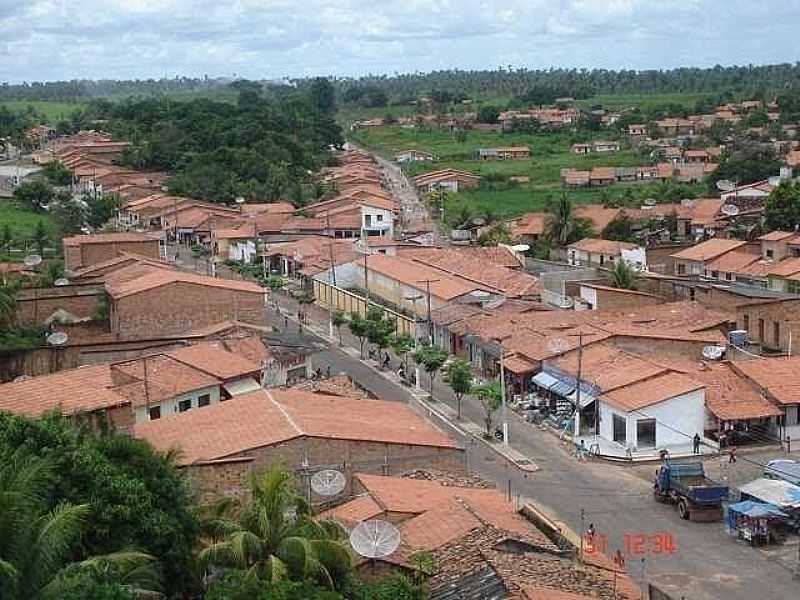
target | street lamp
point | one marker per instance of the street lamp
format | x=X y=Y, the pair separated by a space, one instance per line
x=413 y=299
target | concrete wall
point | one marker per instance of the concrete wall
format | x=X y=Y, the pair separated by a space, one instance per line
x=749 y=318
x=170 y=407
x=229 y=478
x=180 y=306
x=616 y=300
x=684 y=414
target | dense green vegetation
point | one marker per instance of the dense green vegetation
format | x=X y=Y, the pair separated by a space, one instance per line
x=258 y=148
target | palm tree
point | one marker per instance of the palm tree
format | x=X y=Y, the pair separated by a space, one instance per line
x=562 y=226
x=273 y=537
x=623 y=276
x=36 y=543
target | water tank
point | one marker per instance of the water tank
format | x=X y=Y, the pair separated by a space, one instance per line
x=738 y=338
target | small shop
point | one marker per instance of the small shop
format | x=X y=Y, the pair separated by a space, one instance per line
x=757 y=523
x=559 y=398
x=777 y=493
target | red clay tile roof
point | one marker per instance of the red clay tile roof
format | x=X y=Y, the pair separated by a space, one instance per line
x=599 y=246
x=733 y=262
x=786 y=267
x=529 y=224
x=264 y=418
x=778 y=376
x=777 y=236
x=160 y=277
x=599 y=215
x=535 y=592
x=215 y=360
x=412 y=273
x=708 y=250
x=653 y=390
x=157 y=378
x=75 y=390
x=108 y=238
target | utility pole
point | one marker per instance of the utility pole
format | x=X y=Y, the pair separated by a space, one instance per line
x=428 y=283
x=503 y=392
x=413 y=299
x=331 y=284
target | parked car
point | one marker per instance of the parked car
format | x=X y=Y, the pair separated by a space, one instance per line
x=788 y=470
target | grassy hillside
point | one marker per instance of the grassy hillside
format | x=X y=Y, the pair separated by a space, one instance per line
x=52 y=111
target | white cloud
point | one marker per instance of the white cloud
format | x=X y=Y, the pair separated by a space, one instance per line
x=64 y=39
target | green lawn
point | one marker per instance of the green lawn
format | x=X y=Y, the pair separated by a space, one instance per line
x=52 y=111
x=550 y=153
x=22 y=222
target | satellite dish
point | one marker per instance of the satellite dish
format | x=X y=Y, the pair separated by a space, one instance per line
x=713 y=352
x=32 y=260
x=729 y=209
x=239 y=200
x=57 y=338
x=328 y=482
x=521 y=248
x=557 y=345
x=723 y=185
x=375 y=538
x=479 y=221
x=479 y=294
x=650 y=202
x=61 y=281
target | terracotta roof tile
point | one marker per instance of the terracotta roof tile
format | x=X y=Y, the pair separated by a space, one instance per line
x=777 y=236
x=108 y=238
x=215 y=360
x=708 y=250
x=777 y=376
x=160 y=277
x=264 y=418
x=653 y=390
x=599 y=246
x=157 y=378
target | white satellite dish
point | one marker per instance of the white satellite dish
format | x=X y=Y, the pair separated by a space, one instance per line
x=61 y=281
x=239 y=199
x=650 y=202
x=57 y=338
x=521 y=248
x=375 y=538
x=557 y=345
x=328 y=482
x=723 y=185
x=729 y=209
x=713 y=352
x=32 y=260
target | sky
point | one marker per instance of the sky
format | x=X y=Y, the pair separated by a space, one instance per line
x=269 y=39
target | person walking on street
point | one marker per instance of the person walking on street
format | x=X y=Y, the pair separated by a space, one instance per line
x=328 y=372
x=286 y=321
x=732 y=455
x=696 y=443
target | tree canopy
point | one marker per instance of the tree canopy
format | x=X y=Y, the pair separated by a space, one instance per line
x=782 y=209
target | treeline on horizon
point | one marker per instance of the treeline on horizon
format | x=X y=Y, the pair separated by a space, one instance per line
x=578 y=83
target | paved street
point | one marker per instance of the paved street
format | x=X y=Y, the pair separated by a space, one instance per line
x=707 y=563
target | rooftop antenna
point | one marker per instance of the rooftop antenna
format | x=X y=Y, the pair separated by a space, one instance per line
x=57 y=339
x=328 y=483
x=724 y=185
x=375 y=539
x=32 y=260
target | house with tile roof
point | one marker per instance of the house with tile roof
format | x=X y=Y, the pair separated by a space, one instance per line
x=692 y=261
x=222 y=444
x=776 y=380
x=596 y=252
x=81 y=251
x=481 y=545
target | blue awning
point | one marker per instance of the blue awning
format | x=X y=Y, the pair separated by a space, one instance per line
x=562 y=389
x=544 y=380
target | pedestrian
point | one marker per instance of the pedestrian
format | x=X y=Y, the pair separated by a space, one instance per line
x=696 y=443
x=732 y=455
x=386 y=361
x=328 y=372
x=286 y=321
x=619 y=560
x=590 y=531
x=299 y=328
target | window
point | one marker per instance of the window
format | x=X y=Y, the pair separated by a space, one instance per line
x=715 y=274
x=602 y=259
x=776 y=333
x=681 y=269
x=204 y=400
x=761 y=330
x=154 y=413
x=646 y=433
x=746 y=323
x=620 y=427
x=769 y=253
x=379 y=218
x=728 y=276
x=184 y=405
x=692 y=293
x=367 y=220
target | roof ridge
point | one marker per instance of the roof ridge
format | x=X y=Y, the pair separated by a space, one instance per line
x=284 y=412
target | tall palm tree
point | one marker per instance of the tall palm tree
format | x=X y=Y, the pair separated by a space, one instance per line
x=562 y=226
x=273 y=537
x=36 y=544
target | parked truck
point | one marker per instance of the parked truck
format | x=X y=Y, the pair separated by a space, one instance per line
x=697 y=497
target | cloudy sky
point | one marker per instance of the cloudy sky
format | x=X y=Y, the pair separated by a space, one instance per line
x=121 y=39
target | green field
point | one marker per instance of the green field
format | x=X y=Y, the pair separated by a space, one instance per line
x=22 y=222
x=550 y=152
x=51 y=111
